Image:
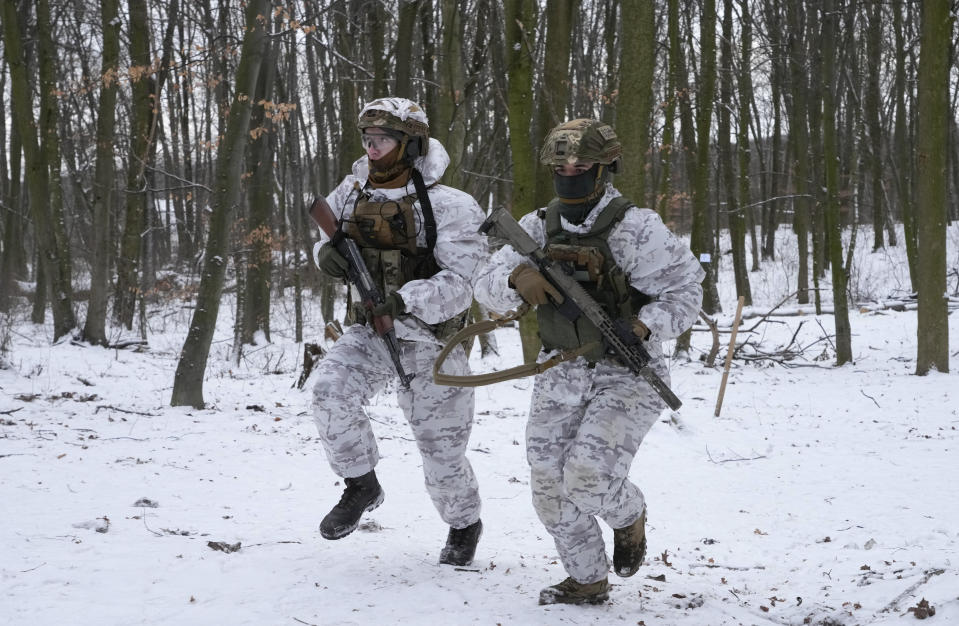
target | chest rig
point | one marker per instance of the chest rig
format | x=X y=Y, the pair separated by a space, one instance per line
x=385 y=232
x=588 y=258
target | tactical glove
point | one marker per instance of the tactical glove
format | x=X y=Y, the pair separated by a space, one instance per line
x=533 y=286
x=393 y=306
x=331 y=262
x=641 y=330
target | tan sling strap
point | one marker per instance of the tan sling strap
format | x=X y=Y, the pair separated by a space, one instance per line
x=520 y=371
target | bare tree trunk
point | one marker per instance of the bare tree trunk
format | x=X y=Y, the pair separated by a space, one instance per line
x=873 y=122
x=635 y=104
x=701 y=239
x=902 y=156
x=13 y=261
x=745 y=83
x=735 y=209
x=554 y=96
x=799 y=139
x=404 y=48
x=128 y=263
x=94 y=330
x=52 y=252
x=188 y=381
x=933 y=114
x=450 y=126
x=830 y=32
x=518 y=15
x=770 y=221
x=258 y=239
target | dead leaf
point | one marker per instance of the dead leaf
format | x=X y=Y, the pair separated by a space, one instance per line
x=223 y=546
x=922 y=610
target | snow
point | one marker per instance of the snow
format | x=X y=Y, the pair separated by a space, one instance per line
x=821 y=493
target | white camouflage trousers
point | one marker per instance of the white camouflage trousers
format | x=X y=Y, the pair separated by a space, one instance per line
x=356 y=368
x=584 y=428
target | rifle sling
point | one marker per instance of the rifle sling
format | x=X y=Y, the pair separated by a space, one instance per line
x=520 y=371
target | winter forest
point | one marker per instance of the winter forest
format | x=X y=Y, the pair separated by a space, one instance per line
x=159 y=304
x=158 y=150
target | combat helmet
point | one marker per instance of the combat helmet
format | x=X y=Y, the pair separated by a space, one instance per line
x=581 y=139
x=402 y=118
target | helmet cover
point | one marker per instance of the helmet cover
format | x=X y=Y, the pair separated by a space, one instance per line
x=397 y=114
x=581 y=140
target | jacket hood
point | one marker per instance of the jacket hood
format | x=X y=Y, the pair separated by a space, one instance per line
x=432 y=165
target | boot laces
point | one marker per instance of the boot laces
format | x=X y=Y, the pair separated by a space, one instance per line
x=352 y=495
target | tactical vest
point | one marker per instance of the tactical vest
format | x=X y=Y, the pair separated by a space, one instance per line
x=385 y=233
x=588 y=258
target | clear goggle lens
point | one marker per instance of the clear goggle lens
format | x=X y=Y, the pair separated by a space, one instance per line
x=380 y=142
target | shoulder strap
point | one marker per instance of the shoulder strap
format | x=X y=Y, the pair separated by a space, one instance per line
x=611 y=215
x=553 y=224
x=424 y=197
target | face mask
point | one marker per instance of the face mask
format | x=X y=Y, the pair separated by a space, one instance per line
x=576 y=187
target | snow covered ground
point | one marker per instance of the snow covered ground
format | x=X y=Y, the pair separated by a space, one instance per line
x=821 y=495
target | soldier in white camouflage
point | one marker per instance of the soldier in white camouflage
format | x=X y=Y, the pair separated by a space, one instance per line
x=589 y=415
x=419 y=240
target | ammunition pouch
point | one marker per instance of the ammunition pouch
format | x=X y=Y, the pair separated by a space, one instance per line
x=385 y=225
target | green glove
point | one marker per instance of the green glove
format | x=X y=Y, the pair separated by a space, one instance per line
x=331 y=262
x=393 y=306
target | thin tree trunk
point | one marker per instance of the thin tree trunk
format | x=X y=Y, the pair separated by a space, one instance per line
x=94 y=330
x=735 y=209
x=701 y=239
x=188 y=381
x=128 y=263
x=904 y=165
x=830 y=32
x=800 y=141
x=258 y=240
x=745 y=84
x=873 y=122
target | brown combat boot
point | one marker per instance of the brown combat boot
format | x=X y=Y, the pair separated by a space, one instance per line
x=571 y=592
x=629 y=547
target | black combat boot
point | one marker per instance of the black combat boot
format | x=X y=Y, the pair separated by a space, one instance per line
x=629 y=547
x=362 y=494
x=571 y=592
x=461 y=544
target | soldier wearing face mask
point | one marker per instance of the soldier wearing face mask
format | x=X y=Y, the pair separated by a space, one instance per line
x=588 y=416
x=419 y=240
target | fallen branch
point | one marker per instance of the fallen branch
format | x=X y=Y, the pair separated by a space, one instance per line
x=741 y=458
x=737 y=568
x=711 y=357
x=113 y=408
x=926 y=576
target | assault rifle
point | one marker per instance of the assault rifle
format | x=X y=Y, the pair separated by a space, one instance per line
x=359 y=275
x=617 y=334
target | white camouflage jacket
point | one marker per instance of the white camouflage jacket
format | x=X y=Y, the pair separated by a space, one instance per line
x=460 y=251
x=657 y=262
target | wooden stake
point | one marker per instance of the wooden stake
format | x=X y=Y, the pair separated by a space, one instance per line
x=729 y=355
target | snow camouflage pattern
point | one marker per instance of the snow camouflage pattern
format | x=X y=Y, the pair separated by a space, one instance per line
x=460 y=251
x=358 y=365
x=586 y=424
x=353 y=371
